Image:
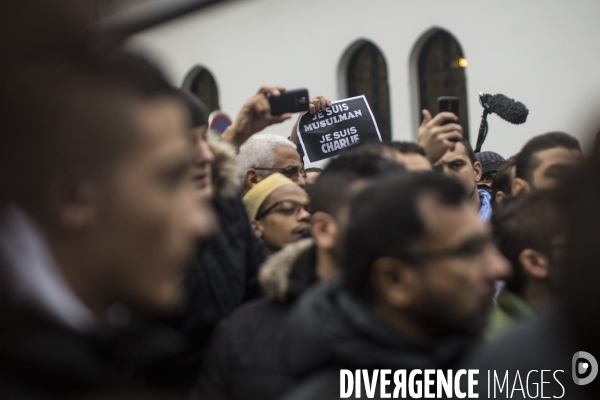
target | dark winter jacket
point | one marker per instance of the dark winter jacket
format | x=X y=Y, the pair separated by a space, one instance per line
x=46 y=354
x=225 y=271
x=223 y=275
x=43 y=359
x=246 y=359
x=539 y=343
x=330 y=330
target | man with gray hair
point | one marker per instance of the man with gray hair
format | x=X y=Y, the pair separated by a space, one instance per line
x=264 y=154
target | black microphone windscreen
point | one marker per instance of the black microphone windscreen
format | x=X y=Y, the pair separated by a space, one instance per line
x=508 y=109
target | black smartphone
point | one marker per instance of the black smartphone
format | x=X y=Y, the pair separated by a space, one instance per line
x=448 y=103
x=289 y=101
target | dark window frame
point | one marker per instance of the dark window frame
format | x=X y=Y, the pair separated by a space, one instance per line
x=441 y=74
x=201 y=82
x=366 y=73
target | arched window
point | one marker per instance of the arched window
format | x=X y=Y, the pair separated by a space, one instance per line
x=366 y=73
x=441 y=70
x=202 y=83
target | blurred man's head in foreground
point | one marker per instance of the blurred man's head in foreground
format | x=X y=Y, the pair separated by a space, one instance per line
x=528 y=233
x=416 y=251
x=545 y=160
x=104 y=157
x=312 y=174
x=343 y=177
x=411 y=156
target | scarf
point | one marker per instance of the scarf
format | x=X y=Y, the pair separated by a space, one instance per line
x=485 y=212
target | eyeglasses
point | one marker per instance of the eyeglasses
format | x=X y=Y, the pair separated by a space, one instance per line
x=290 y=172
x=287 y=207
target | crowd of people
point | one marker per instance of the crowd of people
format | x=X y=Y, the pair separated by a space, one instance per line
x=144 y=256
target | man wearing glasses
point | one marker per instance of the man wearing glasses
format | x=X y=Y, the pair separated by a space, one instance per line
x=264 y=154
x=417 y=284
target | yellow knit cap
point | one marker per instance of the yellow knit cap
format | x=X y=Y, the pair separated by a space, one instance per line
x=255 y=196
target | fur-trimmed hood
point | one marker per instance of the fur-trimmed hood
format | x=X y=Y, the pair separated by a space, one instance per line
x=274 y=274
x=224 y=167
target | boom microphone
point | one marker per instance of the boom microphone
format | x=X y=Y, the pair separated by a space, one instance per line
x=506 y=108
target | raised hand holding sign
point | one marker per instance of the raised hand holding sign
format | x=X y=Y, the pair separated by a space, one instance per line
x=345 y=123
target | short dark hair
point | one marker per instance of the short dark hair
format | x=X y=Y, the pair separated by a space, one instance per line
x=385 y=221
x=74 y=115
x=528 y=221
x=107 y=60
x=503 y=179
x=196 y=108
x=469 y=149
x=365 y=164
x=376 y=148
x=527 y=161
x=407 y=148
x=330 y=191
x=313 y=169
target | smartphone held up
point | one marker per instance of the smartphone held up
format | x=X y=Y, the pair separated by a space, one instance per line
x=289 y=101
x=448 y=104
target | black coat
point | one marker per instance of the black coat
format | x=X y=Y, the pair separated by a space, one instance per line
x=330 y=330
x=540 y=343
x=225 y=272
x=223 y=275
x=247 y=356
x=43 y=359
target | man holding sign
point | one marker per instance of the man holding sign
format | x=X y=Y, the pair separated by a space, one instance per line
x=344 y=123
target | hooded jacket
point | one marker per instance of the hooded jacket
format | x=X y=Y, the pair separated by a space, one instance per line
x=246 y=358
x=330 y=330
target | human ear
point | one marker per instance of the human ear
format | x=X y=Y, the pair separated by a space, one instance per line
x=251 y=178
x=258 y=228
x=500 y=196
x=519 y=185
x=397 y=283
x=534 y=263
x=323 y=229
x=73 y=203
x=478 y=168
